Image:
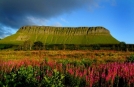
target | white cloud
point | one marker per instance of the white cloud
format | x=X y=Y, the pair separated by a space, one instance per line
x=57 y=24
x=62 y=19
x=100 y=4
x=37 y=21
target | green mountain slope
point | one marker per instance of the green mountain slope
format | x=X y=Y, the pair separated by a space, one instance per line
x=61 y=35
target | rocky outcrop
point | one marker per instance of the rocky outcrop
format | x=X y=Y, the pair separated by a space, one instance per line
x=64 y=30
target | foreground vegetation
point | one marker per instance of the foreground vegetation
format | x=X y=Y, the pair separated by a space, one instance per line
x=53 y=74
x=66 y=68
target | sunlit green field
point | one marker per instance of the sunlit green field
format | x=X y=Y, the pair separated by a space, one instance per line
x=76 y=55
x=61 y=35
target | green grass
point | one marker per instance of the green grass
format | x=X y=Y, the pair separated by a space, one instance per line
x=61 y=35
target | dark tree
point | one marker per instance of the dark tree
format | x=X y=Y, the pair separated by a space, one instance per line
x=113 y=47
x=38 y=45
x=122 y=46
x=96 y=47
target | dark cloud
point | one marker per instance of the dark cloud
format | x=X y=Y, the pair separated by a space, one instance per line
x=16 y=13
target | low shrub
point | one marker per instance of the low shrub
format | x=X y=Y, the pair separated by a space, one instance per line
x=130 y=59
x=32 y=77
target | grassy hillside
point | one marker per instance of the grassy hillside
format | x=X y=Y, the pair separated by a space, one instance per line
x=61 y=35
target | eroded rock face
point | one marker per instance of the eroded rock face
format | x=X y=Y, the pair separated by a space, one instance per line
x=63 y=30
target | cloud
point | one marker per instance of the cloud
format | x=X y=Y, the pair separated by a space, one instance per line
x=64 y=20
x=96 y=4
x=5 y=31
x=57 y=24
x=18 y=13
x=37 y=21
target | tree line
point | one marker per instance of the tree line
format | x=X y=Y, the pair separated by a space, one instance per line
x=38 y=45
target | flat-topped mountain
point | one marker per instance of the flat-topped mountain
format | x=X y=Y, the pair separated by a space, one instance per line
x=63 y=30
x=61 y=35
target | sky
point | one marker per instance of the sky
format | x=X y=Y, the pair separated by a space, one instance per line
x=115 y=15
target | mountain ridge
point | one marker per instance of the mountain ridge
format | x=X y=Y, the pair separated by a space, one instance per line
x=62 y=35
x=64 y=30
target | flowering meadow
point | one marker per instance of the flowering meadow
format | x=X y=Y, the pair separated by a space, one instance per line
x=69 y=69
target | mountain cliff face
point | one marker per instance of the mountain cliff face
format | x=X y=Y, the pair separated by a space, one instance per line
x=63 y=30
x=62 y=35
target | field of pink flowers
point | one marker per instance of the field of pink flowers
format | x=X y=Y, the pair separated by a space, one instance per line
x=46 y=72
x=102 y=75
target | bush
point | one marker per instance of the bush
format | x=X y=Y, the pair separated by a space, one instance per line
x=38 y=45
x=32 y=77
x=55 y=81
x=131 y=59
x=96 y=47
x=72 y=81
